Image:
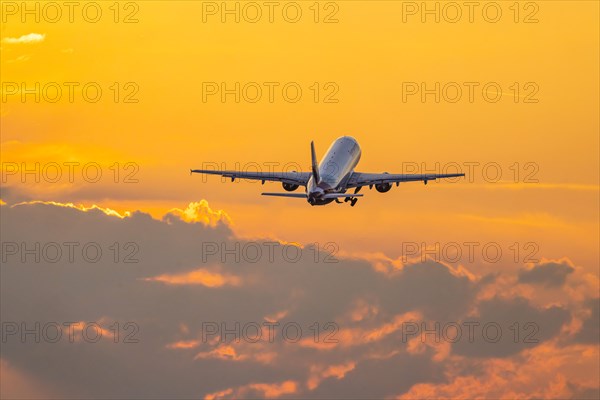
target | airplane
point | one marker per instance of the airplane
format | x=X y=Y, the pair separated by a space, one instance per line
x=331 y=178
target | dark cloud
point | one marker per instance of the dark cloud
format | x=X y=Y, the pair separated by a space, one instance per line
x=382 y=378
x=551 y=274
x=431 y=288
x=315 y=288
x=590 y=329
x=507 y=326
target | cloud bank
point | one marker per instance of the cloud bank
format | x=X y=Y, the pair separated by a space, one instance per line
x=202 y=314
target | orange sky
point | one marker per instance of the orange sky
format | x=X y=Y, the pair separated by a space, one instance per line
x=366 y=57
x=168 y=53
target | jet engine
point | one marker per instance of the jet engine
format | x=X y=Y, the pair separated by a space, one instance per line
x=290 y=187
x=383 y=187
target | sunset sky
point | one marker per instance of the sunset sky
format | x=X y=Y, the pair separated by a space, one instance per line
x=531 y=160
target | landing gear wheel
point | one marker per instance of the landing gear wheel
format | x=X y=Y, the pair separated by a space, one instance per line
x=353 y=202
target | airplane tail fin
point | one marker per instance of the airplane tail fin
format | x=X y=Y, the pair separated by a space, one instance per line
x=315 y=164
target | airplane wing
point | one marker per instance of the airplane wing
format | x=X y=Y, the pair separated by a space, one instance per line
x=304 y=196
x=359 y=179
x=292 y=178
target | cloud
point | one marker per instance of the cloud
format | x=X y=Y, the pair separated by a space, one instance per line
x=197 y=277
x=507 y=326
x=80 y=207
x=590 y=329
x=29 y=38
x=16 y=384
x=546 y=372
x=319 y=373
x=256 y=390
x=201 y=212
x=157 y=275
x=20 y=59
x=551 y=274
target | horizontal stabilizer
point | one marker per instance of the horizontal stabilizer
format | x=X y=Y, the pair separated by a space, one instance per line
x=297 y=195
x=340 y=195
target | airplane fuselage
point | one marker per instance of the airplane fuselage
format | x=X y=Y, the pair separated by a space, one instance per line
x=335 y=168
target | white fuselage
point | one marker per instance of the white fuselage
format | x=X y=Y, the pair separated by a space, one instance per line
x=335 y=169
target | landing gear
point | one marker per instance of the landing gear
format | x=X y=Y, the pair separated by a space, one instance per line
x=352 y=200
